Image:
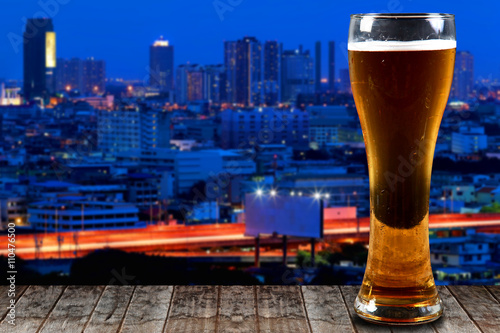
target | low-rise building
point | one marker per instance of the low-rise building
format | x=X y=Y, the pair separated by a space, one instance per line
x=13 y=209
x=469 y=140
x=190 y=167
x=73 y=215
x=487 y=195
x=473 y=249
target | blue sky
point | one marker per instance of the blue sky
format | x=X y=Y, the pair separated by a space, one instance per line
x=120 y=32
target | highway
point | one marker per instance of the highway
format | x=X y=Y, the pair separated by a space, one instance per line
x=180 y=237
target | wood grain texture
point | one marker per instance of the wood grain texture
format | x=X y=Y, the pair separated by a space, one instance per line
x=5 y=299
x=454 y=318
x=193 y=309
x=237 y=310
x=32 y=308
x=326 y=309
x=109 y=312
x=280 y=309
x=148 y=309
x=480 y=305
x=232 y=309
x=495 y=291
x=73 y=309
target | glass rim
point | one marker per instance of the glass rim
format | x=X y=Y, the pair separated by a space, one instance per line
x=404 y=16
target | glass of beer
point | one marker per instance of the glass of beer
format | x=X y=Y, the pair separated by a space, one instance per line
x=401 y=69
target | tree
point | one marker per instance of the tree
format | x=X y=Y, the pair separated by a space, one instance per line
x=494 y=208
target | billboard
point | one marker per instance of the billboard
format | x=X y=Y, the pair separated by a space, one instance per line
x=283 y=215
x=50 y=49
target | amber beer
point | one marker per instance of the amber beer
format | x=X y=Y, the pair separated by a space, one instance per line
x=400 y=90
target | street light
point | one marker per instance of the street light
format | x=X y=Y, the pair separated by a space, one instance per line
x=317 y=195
x=273 y=193
x=259 y=192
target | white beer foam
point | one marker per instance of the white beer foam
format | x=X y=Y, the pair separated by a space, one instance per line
x=414 y=45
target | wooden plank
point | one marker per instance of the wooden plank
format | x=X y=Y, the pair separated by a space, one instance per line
x=148 y=309
x=480 y=305
x=32 y=308
x=495 y=291
x=109 y=312
x=5 y=299
x=280 y=309
x=454 y=318
x=237 y=312
x=326 y=309
x=73 y=309
x=193 y=309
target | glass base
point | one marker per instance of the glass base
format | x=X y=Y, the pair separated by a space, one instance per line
x=392 y=314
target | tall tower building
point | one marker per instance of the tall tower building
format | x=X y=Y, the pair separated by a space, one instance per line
x=297 y=74
x=249 y=71
x=94 y=76
x=88 y=76
x=39 y=58
x=271 y=72
x=161 y=65
x=215 y=84
x=230 y=66
x=191 y=83
x=317 y=70
x=463 y=76
x=69 y=74
x=331 y=66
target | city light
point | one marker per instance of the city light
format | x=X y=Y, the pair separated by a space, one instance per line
x=161 y=42
x=220 y=137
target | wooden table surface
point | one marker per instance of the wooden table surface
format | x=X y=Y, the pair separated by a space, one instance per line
x=203 y=309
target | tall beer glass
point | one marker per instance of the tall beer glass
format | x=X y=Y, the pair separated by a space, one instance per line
x=401 y=68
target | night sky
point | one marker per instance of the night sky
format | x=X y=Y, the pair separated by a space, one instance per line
x=120 y=32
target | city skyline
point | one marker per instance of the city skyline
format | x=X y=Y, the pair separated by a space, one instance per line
x=108 y=38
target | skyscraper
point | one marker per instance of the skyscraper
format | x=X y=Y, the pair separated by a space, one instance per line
x=69 y=74
x=248 y=71
x=331 y=66
x=215 y=85
x=39 y=58
x=230 y=66
x=297 y=74
x=94 y=76
x=271 y=72
x=88 y=75
x=191 y=83
x=463 y=76
x=317 y=72
x=161 y=65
